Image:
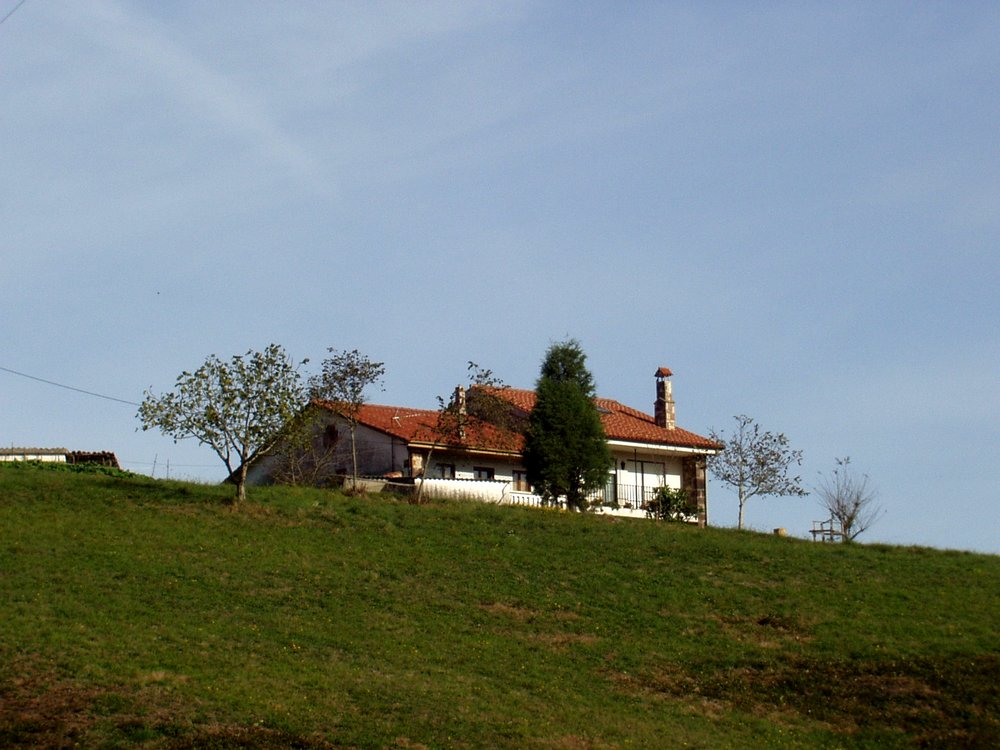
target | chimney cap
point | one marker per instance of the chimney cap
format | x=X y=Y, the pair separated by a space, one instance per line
x=663 y=372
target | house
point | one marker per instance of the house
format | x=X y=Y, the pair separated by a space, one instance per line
x=48 y=455
x=479 y=456
x=60 y=455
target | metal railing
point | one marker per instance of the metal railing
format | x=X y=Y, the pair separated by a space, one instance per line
x=633 y=496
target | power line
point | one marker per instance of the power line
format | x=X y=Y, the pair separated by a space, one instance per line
x=62 y=385
x=13 y=11
x=171 y=463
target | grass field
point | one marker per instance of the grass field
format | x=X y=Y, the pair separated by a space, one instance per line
x=145 y=613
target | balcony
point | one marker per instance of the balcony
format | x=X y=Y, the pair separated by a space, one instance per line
x=628 y=497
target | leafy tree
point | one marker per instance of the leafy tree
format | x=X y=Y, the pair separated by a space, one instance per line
x=237 y=408
x=344 y=378
x=755 y=462
x=566 y=453
x=850 y=499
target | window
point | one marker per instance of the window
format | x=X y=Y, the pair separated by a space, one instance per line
x=446 y=471
x=521 y=481
x=483 y=472
x=330 y=436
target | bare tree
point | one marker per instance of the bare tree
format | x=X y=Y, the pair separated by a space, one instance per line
x=343 y=380
x=305 y=453
x=755 y=462
x=479 y=404
x=850 y=499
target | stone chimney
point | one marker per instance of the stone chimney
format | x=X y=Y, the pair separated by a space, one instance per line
x=461 y=408
x=663 y=409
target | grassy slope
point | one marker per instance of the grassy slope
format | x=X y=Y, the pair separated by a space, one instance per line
x=144 y=613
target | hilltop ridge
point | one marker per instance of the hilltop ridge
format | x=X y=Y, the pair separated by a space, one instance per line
x=145 y=613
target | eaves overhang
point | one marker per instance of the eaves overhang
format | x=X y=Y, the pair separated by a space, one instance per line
x=672 y=450
x=446 y=448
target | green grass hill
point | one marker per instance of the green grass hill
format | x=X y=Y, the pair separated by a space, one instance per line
x=139 y=613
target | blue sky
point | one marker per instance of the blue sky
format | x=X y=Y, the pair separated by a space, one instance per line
x=794 y=206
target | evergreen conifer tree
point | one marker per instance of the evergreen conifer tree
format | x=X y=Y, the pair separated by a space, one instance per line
x=566 y=454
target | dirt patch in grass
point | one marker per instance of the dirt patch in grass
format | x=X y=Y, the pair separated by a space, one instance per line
x=520 y=614
x=161 y=677
x=766 y=631
x=556 y=641
x=38 y=713
x=251 y=738
x=43 y=712
x=562 y=641
x=574 y=742
x=526 y=614
x=920 y=703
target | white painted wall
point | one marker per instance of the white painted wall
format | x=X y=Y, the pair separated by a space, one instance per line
x=378 y=453
x=467 y=489
x=465 y=467
x=28 y=456
x=636 y=472
x=643 y=472
x=648 y=470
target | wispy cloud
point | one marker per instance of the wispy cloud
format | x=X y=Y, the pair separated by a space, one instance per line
x=200 y=89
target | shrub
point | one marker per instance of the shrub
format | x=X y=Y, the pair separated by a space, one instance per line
x=669 y=504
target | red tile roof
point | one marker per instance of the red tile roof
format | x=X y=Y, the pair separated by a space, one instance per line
x=621 y=422
x=420 y=426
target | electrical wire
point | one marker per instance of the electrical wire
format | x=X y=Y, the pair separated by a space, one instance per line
x=13 y=11
x=363 y=452
x=168 y=463
x=68 y=387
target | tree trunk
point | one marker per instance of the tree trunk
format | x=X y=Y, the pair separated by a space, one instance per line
x=354 y=460
x=574 y=499
x=743 y=501
x=423 y=476
x=241 y=485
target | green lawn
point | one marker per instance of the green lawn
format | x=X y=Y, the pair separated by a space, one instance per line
x=145 y=613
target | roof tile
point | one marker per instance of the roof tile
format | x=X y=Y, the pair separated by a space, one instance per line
x=421 y=426
x=620 y=423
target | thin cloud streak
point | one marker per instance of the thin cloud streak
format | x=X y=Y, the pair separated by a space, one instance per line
x=794 y=209
x=203 y=91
